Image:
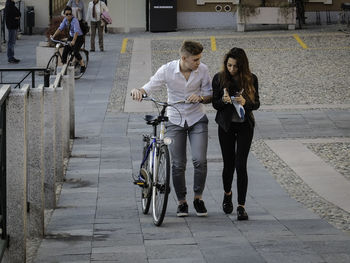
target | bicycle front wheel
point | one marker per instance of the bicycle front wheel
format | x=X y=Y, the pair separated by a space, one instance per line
x=77 y=68
x=52 y=65
x=146 y=190
x=161 y=187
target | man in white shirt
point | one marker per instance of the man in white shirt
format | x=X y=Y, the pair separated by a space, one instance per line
x=186 y=79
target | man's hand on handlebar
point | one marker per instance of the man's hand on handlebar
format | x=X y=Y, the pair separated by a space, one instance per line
x=138 y=94
x=194 y=99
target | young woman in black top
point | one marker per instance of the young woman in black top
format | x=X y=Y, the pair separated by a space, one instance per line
x=234 y=87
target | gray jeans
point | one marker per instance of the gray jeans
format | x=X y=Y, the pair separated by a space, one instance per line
x=198 y=137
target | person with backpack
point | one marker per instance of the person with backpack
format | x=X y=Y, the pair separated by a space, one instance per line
x=76 y=37
x=93 y=15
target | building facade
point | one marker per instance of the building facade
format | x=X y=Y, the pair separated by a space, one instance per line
x=132 y=15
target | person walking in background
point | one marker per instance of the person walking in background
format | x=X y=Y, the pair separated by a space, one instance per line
x=77 y=8
x=93 y=15
x=186 y=79
x=235 y=96
x=13 y=16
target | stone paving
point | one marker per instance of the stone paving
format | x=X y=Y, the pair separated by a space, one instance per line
x=98 y=218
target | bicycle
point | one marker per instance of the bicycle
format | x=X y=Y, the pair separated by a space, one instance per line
x=154 y=174
x=53 y=62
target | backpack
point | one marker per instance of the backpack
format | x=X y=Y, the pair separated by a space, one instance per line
x=84 y=27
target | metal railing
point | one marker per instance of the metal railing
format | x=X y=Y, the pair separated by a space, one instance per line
x=56 y=7
x=29 y=71
x=3 y=235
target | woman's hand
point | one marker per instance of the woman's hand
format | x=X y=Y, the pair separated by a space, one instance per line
x=226 y=97
x=240 y=100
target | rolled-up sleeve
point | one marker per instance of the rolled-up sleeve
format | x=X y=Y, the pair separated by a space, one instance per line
x=206 y=88
x=63 y=24
x=157 y=81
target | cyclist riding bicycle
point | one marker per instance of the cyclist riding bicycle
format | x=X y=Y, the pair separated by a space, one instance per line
x=76 y=37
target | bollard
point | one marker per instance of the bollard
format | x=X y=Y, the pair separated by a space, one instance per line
x=47 y=78
x=16 y=169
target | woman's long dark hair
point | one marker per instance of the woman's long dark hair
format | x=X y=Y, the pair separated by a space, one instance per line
x=245 y=78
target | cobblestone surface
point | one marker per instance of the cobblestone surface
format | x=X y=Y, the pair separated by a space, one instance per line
x=299 y=190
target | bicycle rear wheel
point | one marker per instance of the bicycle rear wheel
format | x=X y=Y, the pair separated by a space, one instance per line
x=52 y=65
x=146 y=190
x=77 y=68
x=160 y=187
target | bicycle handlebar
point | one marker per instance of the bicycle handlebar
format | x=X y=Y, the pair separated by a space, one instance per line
x=60 y=42
x=162 y=103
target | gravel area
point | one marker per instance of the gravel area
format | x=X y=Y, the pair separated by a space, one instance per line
x=335 y=154
x=118 y=93
x=299 y=190
x=286 y=72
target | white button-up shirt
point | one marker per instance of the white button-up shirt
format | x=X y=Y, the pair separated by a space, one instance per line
x=170 y=76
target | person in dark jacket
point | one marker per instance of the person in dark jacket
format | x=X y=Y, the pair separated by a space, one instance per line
x=235 y=96
x=13 y=16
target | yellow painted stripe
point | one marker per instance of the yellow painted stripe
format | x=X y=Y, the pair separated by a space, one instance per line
x=301 y=43
x=213 y=43
x=125 y=43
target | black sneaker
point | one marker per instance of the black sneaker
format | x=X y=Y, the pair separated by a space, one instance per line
x=200 y=207
x=13 y=60
x=227 y=205
x=241 y=213
x=182 y=210
x=82 y=69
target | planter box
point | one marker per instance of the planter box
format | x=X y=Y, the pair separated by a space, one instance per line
x=268 y=15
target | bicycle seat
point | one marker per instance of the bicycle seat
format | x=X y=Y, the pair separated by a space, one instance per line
x=345 y=6
x=151 y=119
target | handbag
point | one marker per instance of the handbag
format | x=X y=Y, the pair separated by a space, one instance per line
x=106 y=17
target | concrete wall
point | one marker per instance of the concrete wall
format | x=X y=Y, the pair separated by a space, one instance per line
x=32 y=160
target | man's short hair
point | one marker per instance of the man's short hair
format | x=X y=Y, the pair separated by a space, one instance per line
x=67 y=8
x=191 y=48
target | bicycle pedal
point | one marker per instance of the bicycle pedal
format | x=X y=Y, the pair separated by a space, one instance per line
x=140 y=183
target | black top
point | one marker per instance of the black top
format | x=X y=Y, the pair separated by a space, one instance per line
x=11 y=12
x=225 y=111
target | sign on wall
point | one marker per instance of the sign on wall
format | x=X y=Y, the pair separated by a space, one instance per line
x=203 y=2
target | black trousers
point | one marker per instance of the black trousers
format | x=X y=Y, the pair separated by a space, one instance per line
x=235 y=145
x=75 y=48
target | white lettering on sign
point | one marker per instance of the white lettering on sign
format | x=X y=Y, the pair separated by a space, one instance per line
x=163 y=6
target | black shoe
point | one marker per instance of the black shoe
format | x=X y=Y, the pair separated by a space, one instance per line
x=227 y=205
x=182 y=210
x=13 y=60
x=82 y=69
x=241 y=213
x=200 y=207
x=92 y=50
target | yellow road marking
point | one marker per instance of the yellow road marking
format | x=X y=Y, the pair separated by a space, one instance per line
x=125 y=43
x=213 y=43
x=301 y=43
